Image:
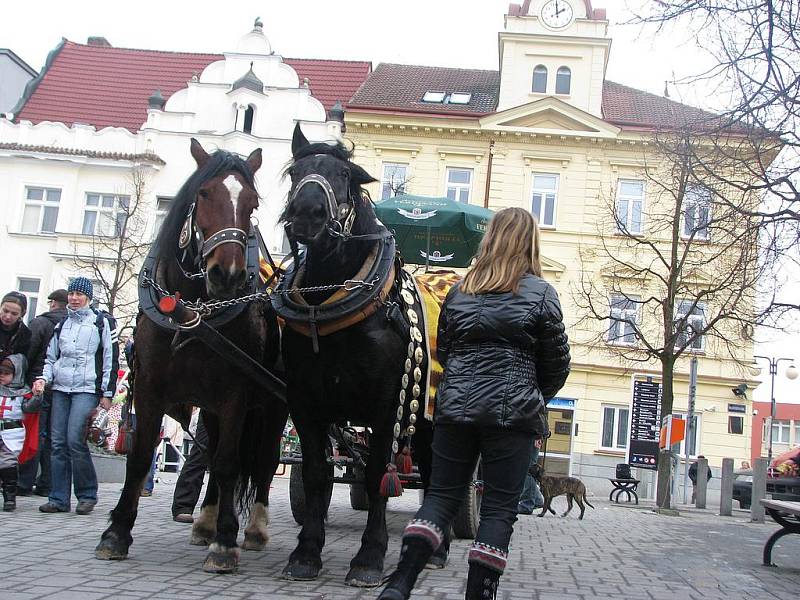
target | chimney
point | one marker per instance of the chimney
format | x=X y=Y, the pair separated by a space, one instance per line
x=98 y=40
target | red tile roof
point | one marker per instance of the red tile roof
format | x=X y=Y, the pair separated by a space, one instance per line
x=108 y=87
x=400 y=88
x=144 y=157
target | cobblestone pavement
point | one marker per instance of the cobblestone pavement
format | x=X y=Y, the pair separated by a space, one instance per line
x=615 y=552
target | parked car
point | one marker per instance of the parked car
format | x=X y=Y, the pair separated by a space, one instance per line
x=780 y=488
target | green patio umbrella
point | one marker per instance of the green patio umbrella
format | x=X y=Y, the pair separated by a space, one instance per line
x=434 y=231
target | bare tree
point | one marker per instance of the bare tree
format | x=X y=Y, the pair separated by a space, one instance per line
x=678 y=273
x=754 y=72
x=117 y=242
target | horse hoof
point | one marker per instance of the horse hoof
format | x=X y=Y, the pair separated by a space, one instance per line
x=221 y=560
x=200 y=540
x=364 y=577
x=111 y=548
x=296 y=571
x=255 y=542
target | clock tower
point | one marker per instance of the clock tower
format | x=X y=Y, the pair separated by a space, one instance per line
x=554 y=48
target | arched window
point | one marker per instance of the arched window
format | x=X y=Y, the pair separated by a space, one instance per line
x=248 y=119
x=539 y=79
x=563 y=80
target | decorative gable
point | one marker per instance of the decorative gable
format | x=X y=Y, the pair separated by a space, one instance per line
x=549 y=116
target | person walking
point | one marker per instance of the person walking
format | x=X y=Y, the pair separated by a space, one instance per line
x=693 y=476
x=502 y=343
x=81 y=365
x=15 y=337
x=41 y=331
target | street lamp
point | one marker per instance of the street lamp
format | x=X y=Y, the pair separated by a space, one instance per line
x=791 y=373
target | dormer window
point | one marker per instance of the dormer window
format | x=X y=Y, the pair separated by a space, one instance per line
x=563 y=80
x=460 y=98
x=539 y=79
x=248 y=119
x=434 y=97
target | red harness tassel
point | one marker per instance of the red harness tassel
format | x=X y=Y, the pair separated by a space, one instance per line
x=404 y=462
x=391 y=487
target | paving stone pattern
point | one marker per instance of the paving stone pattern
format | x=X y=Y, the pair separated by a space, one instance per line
x=615 y=552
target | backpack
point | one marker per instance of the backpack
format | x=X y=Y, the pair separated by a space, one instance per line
x=102 y=318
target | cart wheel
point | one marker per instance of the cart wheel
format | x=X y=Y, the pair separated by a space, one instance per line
x=297 y=494
x=359 y=500
x=465 y=524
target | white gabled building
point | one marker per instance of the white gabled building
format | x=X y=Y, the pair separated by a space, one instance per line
x=97 y=114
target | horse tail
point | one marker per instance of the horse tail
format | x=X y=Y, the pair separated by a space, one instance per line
x=585 y=499
x=251 y=452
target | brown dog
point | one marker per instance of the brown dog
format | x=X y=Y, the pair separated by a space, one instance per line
x=552 y=486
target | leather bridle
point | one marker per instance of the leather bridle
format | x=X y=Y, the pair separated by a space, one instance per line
x=197 y=248
x=341 y=215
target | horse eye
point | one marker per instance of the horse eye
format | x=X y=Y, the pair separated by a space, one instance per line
x=203 y=194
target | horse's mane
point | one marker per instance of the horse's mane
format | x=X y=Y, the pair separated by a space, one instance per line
x=337 y=150
x=220 y=161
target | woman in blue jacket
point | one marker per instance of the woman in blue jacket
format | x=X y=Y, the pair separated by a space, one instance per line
x=505 y=353
x=81 y=369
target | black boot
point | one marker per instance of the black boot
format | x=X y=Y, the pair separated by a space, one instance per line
x=9 y=477
x=413 y=556
x=481 y=583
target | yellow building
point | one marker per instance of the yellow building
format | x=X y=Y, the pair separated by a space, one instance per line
x=549 y=133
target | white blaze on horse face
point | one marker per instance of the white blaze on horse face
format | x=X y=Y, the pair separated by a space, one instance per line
x=234 y=189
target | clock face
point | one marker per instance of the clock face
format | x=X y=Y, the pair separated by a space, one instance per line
x=557 y=14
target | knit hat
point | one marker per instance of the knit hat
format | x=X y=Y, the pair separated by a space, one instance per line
x=7 y=365
x=17 y=298
x=82 y=285
x=59 y=296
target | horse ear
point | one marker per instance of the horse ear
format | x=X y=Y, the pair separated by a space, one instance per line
x=299 y=141
x=200 y=156
x=254 y=160
x=359 y=175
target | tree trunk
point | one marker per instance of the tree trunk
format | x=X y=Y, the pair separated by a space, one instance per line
x=663 y=499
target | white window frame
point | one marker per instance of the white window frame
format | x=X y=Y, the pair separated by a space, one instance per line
x=780 y=426
x=695 y=200
x=542 y=203
x=622 y=309
x=618 y=419
x=459 y=98
x=695 y=433
x=101 y=211
x=32 y=296
x=160 y=214
x=387 y=179
x=692 y=321
x=562 y=72
x=42 y=206
x=625 y=218
x=457 y=188
x=434 y=97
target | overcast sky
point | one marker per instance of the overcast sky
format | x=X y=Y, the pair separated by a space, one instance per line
x=430 y=32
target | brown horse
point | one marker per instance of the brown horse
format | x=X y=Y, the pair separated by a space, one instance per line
x=202 y=252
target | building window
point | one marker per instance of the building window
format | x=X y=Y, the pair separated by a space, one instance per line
x=797 y=433
x=459 y=184
x=162 y=208
x=248 y=118
x=691 y=322
x=30 y=287
x=41 y=210
x=434 y=97
x=630 y=206
x=624 y=317
x=393 y=180
x=563 y=80
x=460 y=98
x=695 y=435
x=543 y=199
x=105 y=214
x=735 y=424
x=780 y=432
x=539 y=79
x=615 y=428
x=696 y=212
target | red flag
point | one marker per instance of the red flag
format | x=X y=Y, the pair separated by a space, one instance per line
x=31 y=444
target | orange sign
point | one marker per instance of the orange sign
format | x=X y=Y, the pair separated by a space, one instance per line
x=677 y=434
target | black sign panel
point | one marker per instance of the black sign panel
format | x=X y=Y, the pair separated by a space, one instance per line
x=645 y=425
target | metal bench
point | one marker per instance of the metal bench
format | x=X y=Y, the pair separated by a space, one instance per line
x=626 y=486
x=787 y=515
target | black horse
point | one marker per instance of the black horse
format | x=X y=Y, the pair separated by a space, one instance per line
x=347 y=368
x=202 y=252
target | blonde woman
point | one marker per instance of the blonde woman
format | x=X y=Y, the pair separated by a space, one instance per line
x=505 y=353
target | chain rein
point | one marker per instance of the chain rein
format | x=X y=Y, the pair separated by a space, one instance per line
x=206 y=308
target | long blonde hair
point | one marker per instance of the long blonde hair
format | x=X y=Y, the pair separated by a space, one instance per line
x=509 y=250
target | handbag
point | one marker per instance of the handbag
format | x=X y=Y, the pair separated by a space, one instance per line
x=124 y=443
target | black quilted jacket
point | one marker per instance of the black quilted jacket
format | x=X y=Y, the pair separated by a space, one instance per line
x=503 y=356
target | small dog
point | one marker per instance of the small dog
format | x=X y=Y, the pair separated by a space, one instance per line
x=552 y=486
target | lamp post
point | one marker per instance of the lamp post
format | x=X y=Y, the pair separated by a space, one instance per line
x=791 y=373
